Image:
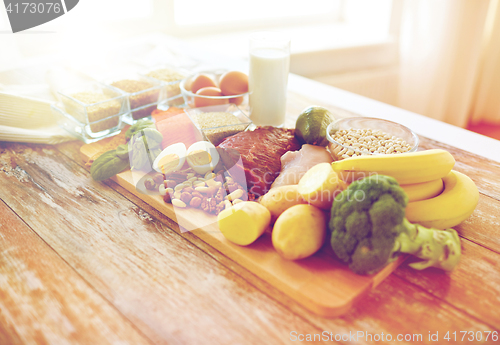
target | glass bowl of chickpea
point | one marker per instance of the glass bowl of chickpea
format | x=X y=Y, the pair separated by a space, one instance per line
x=358 y=136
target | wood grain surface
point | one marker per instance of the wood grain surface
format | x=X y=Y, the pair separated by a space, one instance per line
x=88 y=262
x=149 y=274
x=45 y=301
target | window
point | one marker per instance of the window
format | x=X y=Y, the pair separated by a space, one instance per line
x=345 y=32
x=253 y=13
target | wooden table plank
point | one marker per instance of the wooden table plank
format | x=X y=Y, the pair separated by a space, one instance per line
x=434 y=307
x=409 y=304
x=374 y=326
x=44 y=301
x=483 y=226
x=162 y=283
x=473 y=287
x=481 y=312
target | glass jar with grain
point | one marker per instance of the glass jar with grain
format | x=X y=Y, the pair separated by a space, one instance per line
x=143 y=94
x=97 y=106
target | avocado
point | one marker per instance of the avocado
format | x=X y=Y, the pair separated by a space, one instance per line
x=311 y=124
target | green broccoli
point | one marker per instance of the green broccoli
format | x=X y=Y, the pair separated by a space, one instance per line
x=369 y=229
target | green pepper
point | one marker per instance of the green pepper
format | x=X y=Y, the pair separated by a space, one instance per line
x=138 y=126
x=108 y=165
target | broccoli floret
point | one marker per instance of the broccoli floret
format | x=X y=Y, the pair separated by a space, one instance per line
x=369 y=229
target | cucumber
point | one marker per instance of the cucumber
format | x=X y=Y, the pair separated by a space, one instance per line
x=311 y=124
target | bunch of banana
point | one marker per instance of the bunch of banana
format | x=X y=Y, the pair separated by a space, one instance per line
x=438 y=196
x=451 y=207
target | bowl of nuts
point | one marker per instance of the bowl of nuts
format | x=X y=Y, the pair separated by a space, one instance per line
x=358 y=136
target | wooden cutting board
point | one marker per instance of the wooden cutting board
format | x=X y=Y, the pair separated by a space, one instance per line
x=320 y=283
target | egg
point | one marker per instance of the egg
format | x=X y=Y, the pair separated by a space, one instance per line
x=202 y=80
x=202 y=157
x=171 y=159
x=209 y=91
x=233 y=83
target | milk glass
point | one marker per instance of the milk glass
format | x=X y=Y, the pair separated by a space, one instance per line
x=268 y=78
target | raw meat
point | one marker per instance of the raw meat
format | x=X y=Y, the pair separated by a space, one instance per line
x=294 y=164
x=257 y=155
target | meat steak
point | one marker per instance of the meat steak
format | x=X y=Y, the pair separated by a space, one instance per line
x=257 y=153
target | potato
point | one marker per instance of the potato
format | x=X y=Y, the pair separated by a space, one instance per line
x=278 y=199
x=299 y=232
x=244 y=222
x=320 y=185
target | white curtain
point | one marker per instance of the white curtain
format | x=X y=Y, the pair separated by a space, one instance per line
x=450 y=59
x=486 y=102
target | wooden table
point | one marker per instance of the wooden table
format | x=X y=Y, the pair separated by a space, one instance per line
x=89 y=263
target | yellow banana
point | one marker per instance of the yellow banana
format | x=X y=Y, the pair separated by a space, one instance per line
x=423 y=190
x=454 y=205
x=406 y=168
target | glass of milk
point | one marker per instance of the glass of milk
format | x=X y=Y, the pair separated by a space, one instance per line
x=268 y=78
